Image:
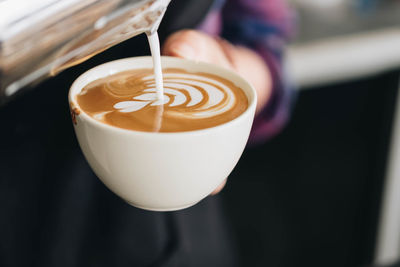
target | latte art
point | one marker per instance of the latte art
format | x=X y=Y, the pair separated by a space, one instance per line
x=191 y=101
x=185 y=91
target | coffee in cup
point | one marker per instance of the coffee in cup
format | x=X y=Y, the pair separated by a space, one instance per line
x=192 y=100
x=172 y=167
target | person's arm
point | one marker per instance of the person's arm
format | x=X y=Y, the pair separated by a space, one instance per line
x=264 y=26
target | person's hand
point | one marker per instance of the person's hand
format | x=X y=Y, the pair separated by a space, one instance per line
x=194 y=45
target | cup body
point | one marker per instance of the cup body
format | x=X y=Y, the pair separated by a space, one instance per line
x=161 y=171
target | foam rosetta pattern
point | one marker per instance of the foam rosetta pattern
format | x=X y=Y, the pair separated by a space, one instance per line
x=200 y=96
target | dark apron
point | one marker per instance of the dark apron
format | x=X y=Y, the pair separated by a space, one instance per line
x=55 y=212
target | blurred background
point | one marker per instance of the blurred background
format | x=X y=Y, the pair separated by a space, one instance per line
x=325 y=192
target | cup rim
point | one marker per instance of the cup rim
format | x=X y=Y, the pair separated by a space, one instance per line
x=208 y=68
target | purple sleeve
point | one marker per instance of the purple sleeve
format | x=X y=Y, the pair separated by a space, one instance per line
x=265 y=27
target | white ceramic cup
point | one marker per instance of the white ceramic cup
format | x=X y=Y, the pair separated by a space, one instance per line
x=161 y=171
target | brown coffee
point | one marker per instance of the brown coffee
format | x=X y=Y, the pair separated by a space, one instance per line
x=191 y=101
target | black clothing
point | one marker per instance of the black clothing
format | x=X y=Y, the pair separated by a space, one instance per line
x=55 y=212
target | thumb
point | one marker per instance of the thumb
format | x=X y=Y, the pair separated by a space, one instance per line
x=182 y=44
x=194 y=45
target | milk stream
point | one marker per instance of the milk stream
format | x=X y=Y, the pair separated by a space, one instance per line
x=154 y=44
x=156 y=55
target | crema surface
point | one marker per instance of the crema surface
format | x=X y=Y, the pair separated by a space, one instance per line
x=191 y=101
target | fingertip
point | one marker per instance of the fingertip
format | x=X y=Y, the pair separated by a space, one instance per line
x=219 y=188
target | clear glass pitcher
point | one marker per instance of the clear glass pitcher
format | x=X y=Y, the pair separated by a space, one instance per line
x=39 y=38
